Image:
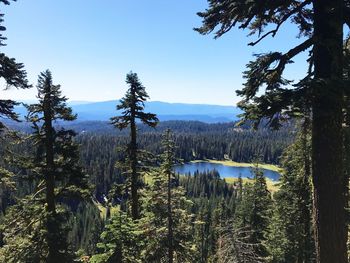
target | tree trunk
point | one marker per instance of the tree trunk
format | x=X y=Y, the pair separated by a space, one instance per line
x=327 y=147
x=53 y=255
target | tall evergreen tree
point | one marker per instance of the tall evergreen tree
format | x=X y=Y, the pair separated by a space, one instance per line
x=167 y=169
x=132 y=106
x=166 y=223
x=320 y=24
x=57 y=160
x=290 y=238
x=14 y=75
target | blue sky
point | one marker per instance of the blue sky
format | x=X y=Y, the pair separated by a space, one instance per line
x=90 y=45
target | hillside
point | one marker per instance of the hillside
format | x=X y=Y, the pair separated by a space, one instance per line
x=102 y=111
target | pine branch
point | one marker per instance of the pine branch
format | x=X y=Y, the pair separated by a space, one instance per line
x=279 y=24
x=283 y=60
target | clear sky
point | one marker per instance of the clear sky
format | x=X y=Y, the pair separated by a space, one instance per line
x=90 y=45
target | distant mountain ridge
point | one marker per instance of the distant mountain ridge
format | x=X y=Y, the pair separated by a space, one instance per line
x=102 y=111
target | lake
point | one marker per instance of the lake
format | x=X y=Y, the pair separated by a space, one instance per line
x=224 y=170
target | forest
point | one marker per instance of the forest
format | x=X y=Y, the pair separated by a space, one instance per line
x=74 y=191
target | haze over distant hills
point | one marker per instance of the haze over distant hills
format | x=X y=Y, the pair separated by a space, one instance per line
x=102 y=111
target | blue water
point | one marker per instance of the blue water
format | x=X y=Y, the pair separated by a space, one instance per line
x=224 y=170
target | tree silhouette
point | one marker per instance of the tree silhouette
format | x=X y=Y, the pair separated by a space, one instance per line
x=132 y=106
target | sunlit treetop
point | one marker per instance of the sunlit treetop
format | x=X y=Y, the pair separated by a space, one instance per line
x=133 y=105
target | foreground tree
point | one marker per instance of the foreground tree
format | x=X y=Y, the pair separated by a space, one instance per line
x=320 y=24
x=132 y=106
x=55 y=167
x=166 y=224
x=120 y=241
x=13 y=75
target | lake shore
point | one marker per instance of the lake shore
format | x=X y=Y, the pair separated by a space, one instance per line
x=271 y=184
x=270 y=167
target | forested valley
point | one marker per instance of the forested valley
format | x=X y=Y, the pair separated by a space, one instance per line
x=210 y=220
x=107 y=191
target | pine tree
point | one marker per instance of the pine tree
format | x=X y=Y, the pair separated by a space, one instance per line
x=320 y=23
x=132 y=106
x=167 y=169
x=120 y=241
x=253 y=213
x=166 y=223
x=60 y=184
x=291 y=237
x=14 y=75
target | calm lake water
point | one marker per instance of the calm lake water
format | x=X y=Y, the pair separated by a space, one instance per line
x=224 y=170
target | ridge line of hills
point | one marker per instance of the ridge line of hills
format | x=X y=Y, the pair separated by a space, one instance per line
x=102 y=111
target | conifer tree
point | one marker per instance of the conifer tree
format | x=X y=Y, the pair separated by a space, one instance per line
x=167 y=225
x=253 y=213
x=320 y=24
x=290 y=238
x=167 y=169
x=14 y=75
x=58 y=179
x=132 y=106
x=120 y=241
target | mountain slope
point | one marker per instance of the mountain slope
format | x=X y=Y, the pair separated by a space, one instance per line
x=102 y=111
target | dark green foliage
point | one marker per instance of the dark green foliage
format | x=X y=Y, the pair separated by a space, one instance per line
x=132 y=106
x=85 y=228
x=254 y=213
x=57 y=180
x=14 y=75
x=25 y=232
x=156 y=224
x=49 y=95
x=69 y=179
x=120 y=241
x=167 y=221
x=197 y=218
x=291 y=237
x=214 y=202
